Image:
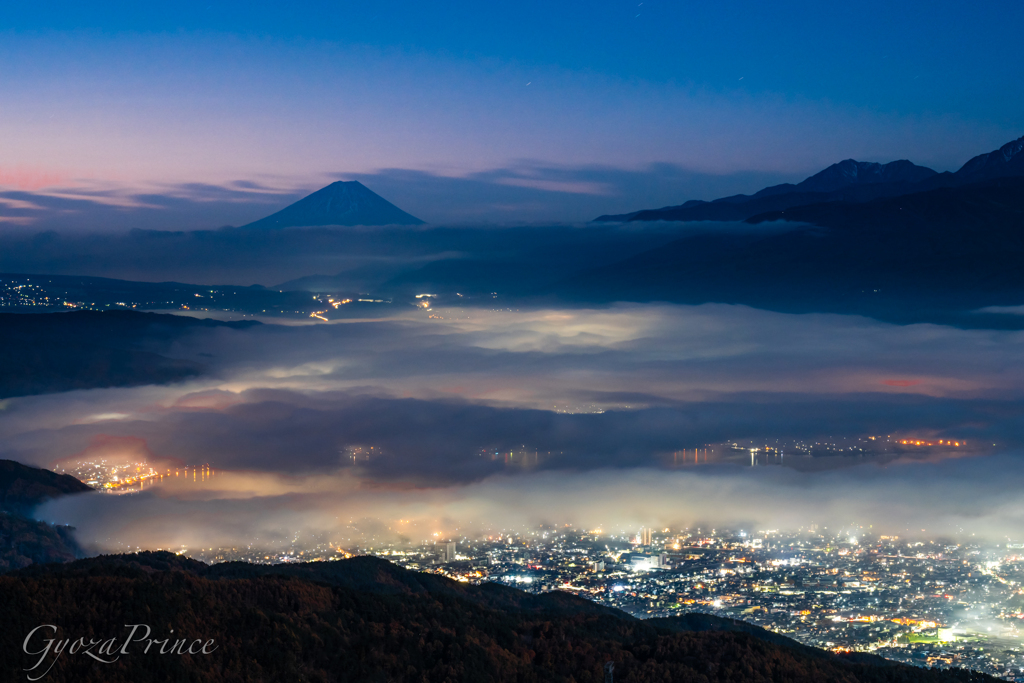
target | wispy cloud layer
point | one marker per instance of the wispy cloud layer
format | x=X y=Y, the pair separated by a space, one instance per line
x=528 y=191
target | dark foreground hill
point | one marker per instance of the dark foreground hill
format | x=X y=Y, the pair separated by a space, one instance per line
x=365 y=619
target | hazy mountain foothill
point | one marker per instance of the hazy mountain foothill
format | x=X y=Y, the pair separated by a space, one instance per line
x=25 y=541
x=110 y=349
x=22 y=488
x=365 y=619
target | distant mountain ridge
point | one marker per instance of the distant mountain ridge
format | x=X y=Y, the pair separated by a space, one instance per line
x=846 y=181
x=940 y=255
x=845 y=174
x=850 y=172
x=340 y=203
x=1005 y=161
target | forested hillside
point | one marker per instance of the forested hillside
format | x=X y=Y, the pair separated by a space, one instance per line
x=367 y=620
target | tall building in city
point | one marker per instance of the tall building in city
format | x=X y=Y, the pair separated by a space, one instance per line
x=645 y=536
x=449 y=552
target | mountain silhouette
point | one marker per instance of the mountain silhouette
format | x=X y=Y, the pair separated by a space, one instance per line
x=1005 y=161
x=847 y=181
x=845 y=174
x=340 y=203
x=850 y=172
x=941 y=256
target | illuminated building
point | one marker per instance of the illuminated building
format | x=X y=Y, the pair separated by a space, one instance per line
x=448 y=552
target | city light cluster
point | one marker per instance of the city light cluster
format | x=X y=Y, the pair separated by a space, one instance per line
x=933 y=602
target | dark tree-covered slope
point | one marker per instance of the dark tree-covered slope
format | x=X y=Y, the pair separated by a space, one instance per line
x=365 y=620
x=23 y=487
x=25 y=541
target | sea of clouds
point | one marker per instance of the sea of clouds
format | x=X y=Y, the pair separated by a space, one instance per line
x=603 y=394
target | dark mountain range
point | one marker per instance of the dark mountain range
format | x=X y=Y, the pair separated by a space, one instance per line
x=936 y=249
x=849 y=172
x=340 y=203
x=992 y=211
x=1005 y=161
x=931 y=256
x=365 y=619
x=848 y=181
x=845 y=175
x=111 y=349
x=742 y=207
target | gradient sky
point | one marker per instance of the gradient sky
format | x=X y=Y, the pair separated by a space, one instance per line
x=499 y=111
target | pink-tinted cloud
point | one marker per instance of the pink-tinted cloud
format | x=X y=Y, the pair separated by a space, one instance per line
x=23 y=177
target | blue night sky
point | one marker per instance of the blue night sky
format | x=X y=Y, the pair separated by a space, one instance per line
x=498 y=112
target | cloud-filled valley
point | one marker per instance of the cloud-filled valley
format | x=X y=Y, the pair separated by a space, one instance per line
x=402 y=381
x=602 y=399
